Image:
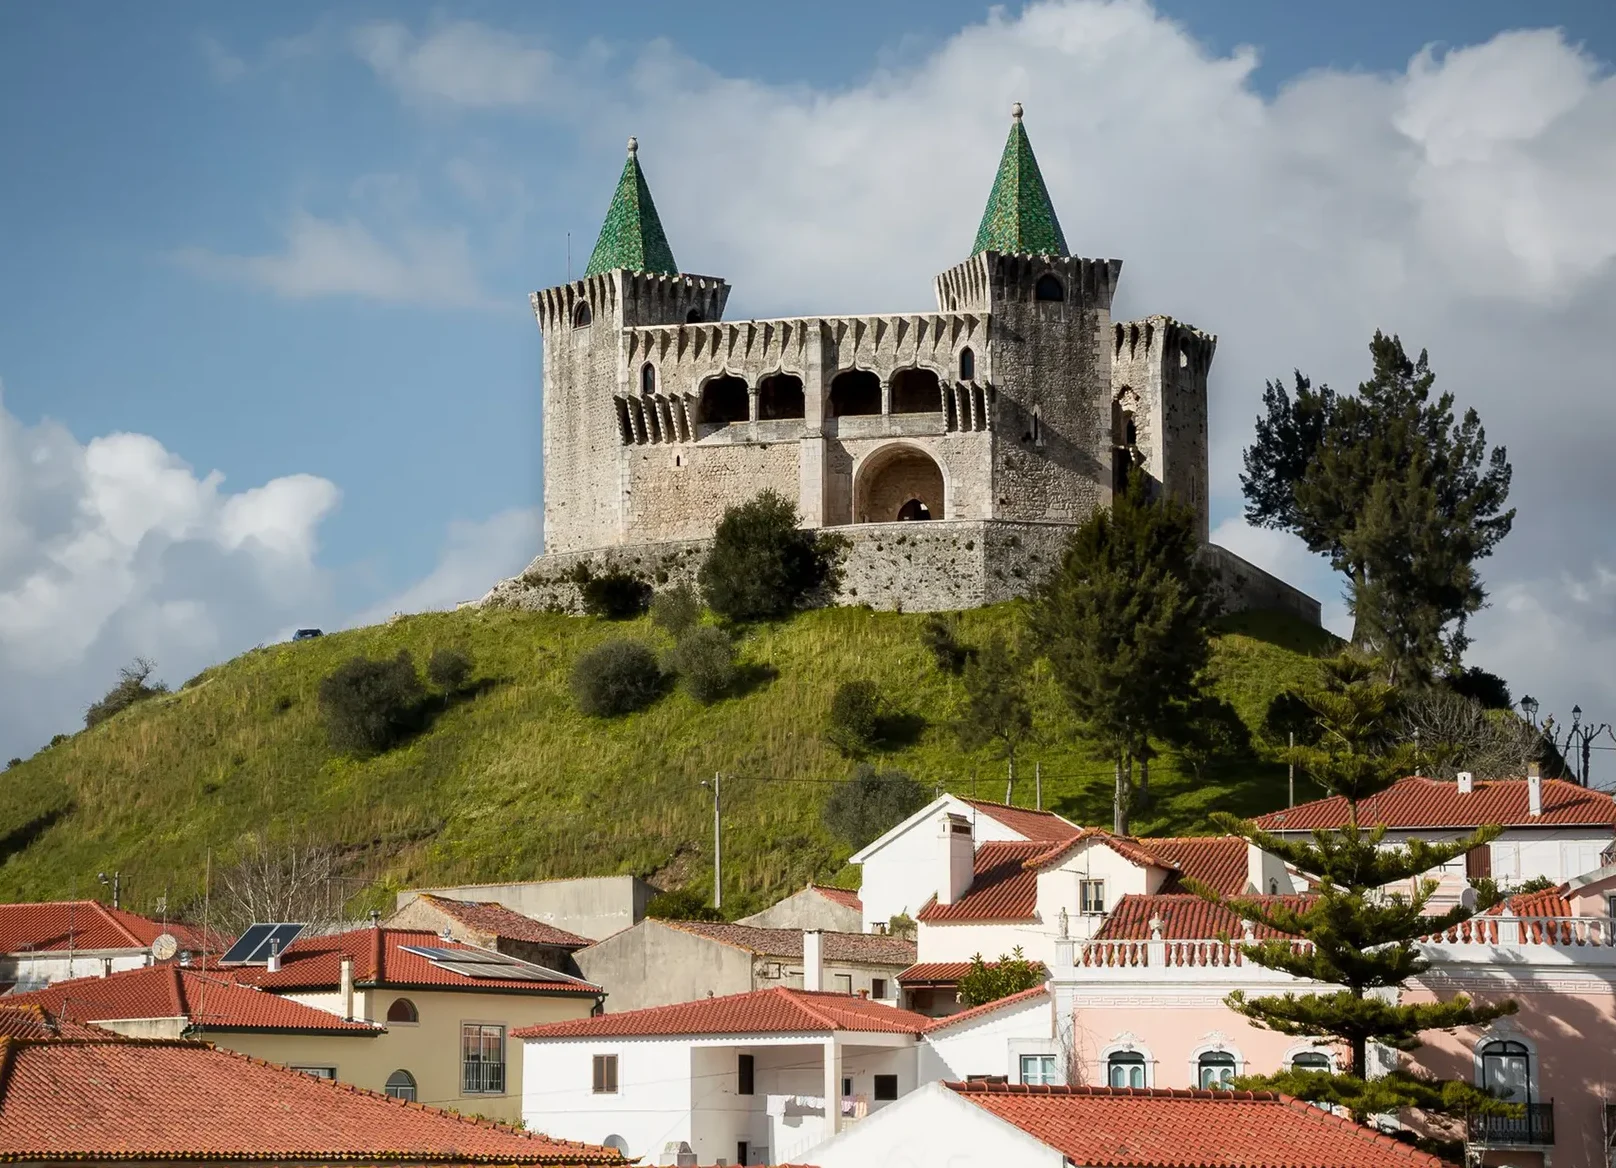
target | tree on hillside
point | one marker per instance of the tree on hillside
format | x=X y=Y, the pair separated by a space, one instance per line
x=1355 y=937
x=1453 y=733
x=762 y=565
x=134 y=685
x=869 y=803
x=1399 y=495
x=998 y=712
x=371 y=705
x=1124 y=620
x=278 y=882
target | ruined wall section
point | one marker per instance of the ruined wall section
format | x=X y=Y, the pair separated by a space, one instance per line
x=1158 y=375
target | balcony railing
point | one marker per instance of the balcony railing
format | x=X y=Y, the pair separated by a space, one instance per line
x=1534 y=1127
x=480 y=1078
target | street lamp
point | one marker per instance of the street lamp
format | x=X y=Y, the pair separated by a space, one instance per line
x=1529 y=708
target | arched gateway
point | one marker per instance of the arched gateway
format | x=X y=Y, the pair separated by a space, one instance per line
x=898 y=482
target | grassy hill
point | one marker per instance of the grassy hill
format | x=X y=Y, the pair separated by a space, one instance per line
x=515 y=784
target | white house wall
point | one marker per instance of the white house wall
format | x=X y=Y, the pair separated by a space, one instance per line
x=935 y=1128
x=991 y=1044
x=652 y=1105
x=36 y=971
x=961 y=942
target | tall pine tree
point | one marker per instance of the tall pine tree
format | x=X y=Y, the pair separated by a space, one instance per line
x=1399 y=494
x=1357 y=939
x=1124 y=620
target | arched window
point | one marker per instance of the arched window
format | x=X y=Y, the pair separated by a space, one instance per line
x=914 y=509
x=916 y=391
x=1506 y=1069
x=854 y=392
x=780 y=396
x=403 y=1010
x=724 y=400
x=401 y=1085
x=693 y=316
x=647 y=378
x=1214 y=1070
x=1311 y=1060
x=967 y=365
x=1126 y=1068
x=581 y=316
x=1048 y=288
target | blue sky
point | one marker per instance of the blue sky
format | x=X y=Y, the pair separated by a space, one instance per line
x=296 y=240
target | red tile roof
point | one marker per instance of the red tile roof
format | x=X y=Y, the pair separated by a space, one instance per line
x=1124 y=846
x=976 y=1012
x=30 y=1020
x=54 y=926
x=772 y=1011
x=1430 y=803
x=380 y=959
x=1003 y=889
x=1184 y=916
x=866 y=948
x=133 y=1099
x=1104 y=1127
x=1032 y=825
x=486 y=916
x=1549 y=902
x=845 y=897
x=1218 y=861
x=943 y=972
x=210 y=1000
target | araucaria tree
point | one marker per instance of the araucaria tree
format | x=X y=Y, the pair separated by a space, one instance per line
x=1402 y=498
x=1124 y=621
x=1352 y=936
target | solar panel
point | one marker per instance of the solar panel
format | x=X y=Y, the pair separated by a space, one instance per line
x=260 y=940
x=485 y=963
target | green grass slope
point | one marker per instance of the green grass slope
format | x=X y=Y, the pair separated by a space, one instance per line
x=515 y=784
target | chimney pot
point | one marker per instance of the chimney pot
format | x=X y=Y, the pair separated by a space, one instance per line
x=813 y=960
x=1467 y=782
x=274 y=957
x=1534 y=789
x=347 y=989
x=958 y=858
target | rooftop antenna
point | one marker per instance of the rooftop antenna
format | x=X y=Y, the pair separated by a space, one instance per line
x=569 y=257
x=207 y=901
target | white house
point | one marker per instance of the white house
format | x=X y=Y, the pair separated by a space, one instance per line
x=963 y=1125
x=53 y=941
x=1552 y=828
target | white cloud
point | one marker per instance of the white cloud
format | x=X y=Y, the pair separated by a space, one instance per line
x=328 y=257
x=459 y=64
x=474 y=557
x=223 y=65
x=115 y=548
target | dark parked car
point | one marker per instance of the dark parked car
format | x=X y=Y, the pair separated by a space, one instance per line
x=305 y=634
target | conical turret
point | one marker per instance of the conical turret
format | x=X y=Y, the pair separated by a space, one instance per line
x=632 y=235
x=1020 y=219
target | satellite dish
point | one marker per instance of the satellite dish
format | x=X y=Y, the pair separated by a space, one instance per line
x=164 y=947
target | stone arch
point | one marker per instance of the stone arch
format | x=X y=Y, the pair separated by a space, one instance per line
x=1125 y=453
x=582 y=317
x=724 y=399
x=855 y=392
x=1049 y=287
x=780 y=396
x=648 y=378
x=916 y=391
x=896 y=482
x=967 y=364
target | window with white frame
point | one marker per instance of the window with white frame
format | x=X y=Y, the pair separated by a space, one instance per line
x=1310 y=1060
x=1214 y=1069
x=482 y=1059
x=1039 y=1069
x=318 y=1072
x=401 y=1085
x=1506 y=1069
x=1091 y=897
x=1125 y=1068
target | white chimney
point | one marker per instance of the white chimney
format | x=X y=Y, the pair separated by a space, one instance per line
x=347 y=989
x=274 y=957
x=1534 y=789
x=813 y=959
x=958 y=858
x=1467 y=782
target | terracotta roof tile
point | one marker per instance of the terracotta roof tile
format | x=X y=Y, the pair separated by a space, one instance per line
x=1184 y=916
x=210 y=1000
x=1146 y=1128
x=53 y=926
x=1549 y=902
x=499 y=921
x=771 y=1011
x=380 y=958
x=1430 y=803
x=1003 y=888
x=1218 y=861
x=1032 y=825
x=31 y=1020
x=866 y=948
x=943 y=972
x=986 y=1008
x=1124 y=846
x=134 y=1099
x=845 y=897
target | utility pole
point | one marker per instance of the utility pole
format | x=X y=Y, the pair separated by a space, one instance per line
x=1292 y=769
x=116 y=883
x=1038 y=784
x=718 y=843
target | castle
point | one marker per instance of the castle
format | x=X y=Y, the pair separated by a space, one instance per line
x=1000 y=420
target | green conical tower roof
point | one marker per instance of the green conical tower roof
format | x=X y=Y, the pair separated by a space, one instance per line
x=632 y=235
x=1020 y=219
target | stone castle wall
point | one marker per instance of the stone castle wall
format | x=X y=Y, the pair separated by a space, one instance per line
x=933 y=566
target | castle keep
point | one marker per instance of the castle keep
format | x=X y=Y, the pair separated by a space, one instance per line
x=955 y=448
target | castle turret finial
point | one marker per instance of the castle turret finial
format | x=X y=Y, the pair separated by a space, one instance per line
x=634 y=143
x=632 y=235
x=1020 y=218
x=1015 y=111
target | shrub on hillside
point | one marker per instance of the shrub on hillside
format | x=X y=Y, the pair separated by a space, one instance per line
x=761 y=564
x=614 y=595
x=616 y=678
x=869 y=803
x=371 y=705
x=676 y=610
x=854 y=725
x=704 y=661
x=448 y=669
x=681 y=904
x=134 y=685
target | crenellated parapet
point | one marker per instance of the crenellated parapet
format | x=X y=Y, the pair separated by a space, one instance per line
x=990 y=280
